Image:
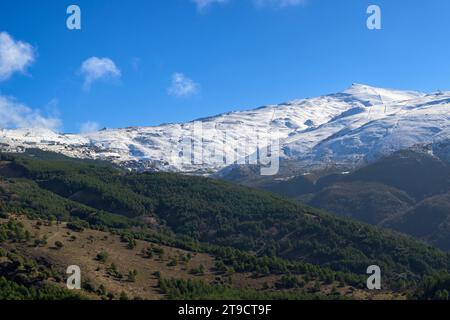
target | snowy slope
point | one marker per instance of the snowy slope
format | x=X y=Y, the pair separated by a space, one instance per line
x=363 y=135
x=347 y=129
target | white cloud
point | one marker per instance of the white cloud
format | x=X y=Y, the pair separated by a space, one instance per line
x=204 y=4
x=278 y=3
x=182 y=86
x=15 y=56
x=89 y=127
x=16 y=115
x=95 y=69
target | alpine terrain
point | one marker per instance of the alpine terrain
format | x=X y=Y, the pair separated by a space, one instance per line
x=343 y=130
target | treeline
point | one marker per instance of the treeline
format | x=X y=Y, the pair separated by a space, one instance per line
x=10 y=290
x=435 y=287
x=178 y=289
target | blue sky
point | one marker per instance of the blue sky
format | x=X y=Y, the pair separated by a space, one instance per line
x=170 y=60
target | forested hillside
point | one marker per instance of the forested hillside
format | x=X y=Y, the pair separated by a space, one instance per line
x=246 y=230
x=406 y=191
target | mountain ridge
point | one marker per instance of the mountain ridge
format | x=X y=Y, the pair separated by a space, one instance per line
x=346 y=129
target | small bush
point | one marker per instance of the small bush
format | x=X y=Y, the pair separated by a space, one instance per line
x=58 y=245
x=102 y=256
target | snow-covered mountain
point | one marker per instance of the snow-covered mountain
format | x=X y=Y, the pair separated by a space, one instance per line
x=346 y=129
x=362 y=135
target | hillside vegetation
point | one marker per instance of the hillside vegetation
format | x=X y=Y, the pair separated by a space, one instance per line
x=406 y=191
x=245 y=230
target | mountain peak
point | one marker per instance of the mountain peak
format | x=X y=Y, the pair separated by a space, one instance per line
x=381 y=95
x=361 y=86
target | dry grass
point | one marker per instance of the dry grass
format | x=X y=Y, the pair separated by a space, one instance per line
x=82 y=248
